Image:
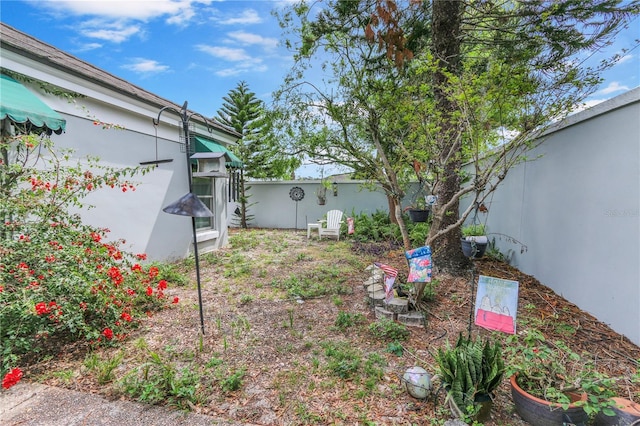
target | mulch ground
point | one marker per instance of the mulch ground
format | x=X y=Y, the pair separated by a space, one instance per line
x=278 y=340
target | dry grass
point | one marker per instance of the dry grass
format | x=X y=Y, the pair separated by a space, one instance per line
x=271 y=304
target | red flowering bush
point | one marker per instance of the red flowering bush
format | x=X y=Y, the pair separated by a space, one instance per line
x=62 y=279
x=11 y=378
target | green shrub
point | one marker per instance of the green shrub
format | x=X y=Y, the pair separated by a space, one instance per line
x=62 y=280
x=347 y=320
x=390 y=330
x=159 y=381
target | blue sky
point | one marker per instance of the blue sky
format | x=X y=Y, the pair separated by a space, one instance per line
x=198 y=50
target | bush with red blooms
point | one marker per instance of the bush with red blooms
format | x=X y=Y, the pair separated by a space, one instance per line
x=61 y=280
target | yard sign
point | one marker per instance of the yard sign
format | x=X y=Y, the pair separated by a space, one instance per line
x=496 y=304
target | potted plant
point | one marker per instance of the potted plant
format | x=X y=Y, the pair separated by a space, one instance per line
x=471 y=371
x=552 y=385
x=474 y=241
x=418 y=212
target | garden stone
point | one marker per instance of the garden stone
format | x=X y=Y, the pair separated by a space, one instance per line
x=374 y=288
x=371 y=281
x=412 y=318
x=383 y=313
x=455 y=422
x=397 y=305
x=376 y=298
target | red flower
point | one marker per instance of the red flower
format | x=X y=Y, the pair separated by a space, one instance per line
x=1 y=288
x=96 y=237
x=108 y=333
x=125 y=316
x=149 y=291
x=153 y=272
x=11 y=378
x=115 y=275
x=42 y=308
x=162 y=285
x=176 y=299
x=141 y=256
x=136 y=268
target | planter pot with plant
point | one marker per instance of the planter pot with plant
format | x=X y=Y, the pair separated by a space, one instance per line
x=552 y=385
x=474 y=241
x=419 y=211
x=624 y=413
x=471 y=371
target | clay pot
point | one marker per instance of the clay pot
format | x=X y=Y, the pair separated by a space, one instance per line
x=627 y=414
x=538 y=412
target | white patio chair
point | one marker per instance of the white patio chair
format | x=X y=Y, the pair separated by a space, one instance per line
x=333 y=222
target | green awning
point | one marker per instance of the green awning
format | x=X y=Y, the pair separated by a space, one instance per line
x=19 y=105
x=203 y=144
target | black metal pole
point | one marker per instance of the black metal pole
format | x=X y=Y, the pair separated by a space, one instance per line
x=187 y=138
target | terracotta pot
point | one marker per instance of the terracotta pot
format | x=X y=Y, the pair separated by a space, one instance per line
x=627 y=414
x=539 y=412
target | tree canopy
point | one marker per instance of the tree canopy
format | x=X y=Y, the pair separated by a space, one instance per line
x=419 y=89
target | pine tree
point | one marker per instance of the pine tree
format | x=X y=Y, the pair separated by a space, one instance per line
x=259 y=151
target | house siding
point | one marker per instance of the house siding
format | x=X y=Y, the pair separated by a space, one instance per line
x=123 y=137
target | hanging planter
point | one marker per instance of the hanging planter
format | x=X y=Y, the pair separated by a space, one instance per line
x=474 y=241
x=419 y=215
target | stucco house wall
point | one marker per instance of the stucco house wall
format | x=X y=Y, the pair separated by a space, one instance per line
x=135 y=216
x=576 y=207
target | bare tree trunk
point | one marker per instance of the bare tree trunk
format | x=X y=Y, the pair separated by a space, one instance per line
x=445 y=25
x=392 y=209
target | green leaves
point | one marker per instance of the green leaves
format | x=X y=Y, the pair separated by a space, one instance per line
x=59 y=278
x=471 y=368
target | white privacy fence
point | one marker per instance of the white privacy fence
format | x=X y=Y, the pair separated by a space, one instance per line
x=276 y=206
x=577 y=210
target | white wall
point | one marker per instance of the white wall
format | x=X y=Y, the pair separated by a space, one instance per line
x=577 y=209
x=275 y=209
x=136 y=217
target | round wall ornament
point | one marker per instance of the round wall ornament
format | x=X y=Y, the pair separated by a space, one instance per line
x=296 y=193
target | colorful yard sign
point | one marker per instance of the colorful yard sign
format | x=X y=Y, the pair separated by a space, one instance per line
x=497 y=304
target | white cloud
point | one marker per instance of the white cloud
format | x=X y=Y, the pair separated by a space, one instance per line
x=625 y=58
x=145 y=66
x=116 y=32
x=252 y=39
x=613 y=87
x=243 y=62
x=89 y=46
x=248 y=16
x=226 y=53
x=242 y=68
x=135 y=9
x=119 y=20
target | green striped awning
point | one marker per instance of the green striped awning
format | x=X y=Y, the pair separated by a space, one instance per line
x=20 y=105
x=203 y=144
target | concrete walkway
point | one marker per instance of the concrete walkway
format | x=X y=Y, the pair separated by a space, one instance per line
x=34 y=404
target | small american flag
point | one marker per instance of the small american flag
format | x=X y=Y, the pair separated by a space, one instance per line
x=388 y=270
